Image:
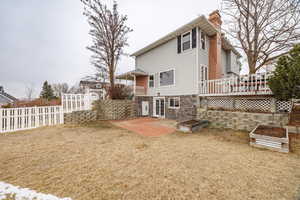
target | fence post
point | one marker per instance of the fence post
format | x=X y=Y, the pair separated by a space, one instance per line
x=1 y=118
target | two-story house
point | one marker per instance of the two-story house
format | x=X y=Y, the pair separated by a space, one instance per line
x=168 y=71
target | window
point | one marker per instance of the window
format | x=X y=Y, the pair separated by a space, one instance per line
x=151 y=81
x=186 y=41
x=203 y=40
x=203 y=73
x=174 y=102
x=166 y=78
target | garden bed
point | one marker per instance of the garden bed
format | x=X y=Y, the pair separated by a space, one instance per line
x=192 y=125
x=268 y=137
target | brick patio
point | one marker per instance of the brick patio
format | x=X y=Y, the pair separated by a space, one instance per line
x=148 y=126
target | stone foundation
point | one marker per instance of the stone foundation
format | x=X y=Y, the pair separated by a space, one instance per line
x=241 y=120
x=187 y=110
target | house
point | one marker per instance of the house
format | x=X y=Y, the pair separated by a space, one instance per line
x=95 y=88
x=196 y=60
x=6 y=98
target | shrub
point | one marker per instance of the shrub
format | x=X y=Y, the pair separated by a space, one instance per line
x=285 y=82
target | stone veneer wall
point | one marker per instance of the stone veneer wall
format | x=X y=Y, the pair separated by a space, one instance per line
x=115 y=109
x=241 y=120
x=80 y=117
x=187 y=110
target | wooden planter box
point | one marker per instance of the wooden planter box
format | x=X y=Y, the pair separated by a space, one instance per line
x=267 y=137
x=192 y=125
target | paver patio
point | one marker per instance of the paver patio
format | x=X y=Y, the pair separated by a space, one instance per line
x=148 y=126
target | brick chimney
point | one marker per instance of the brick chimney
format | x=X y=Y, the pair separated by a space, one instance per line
x=215 y=71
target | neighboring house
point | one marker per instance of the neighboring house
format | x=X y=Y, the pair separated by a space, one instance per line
x=170 y=72
x=6 y=98
x=96 y=88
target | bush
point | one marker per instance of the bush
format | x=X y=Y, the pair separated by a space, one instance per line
x=285 y=82
x=120 y=92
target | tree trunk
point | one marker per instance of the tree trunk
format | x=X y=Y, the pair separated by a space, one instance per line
x=112 y=81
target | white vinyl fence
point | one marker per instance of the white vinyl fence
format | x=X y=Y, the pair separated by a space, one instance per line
x=15 y=119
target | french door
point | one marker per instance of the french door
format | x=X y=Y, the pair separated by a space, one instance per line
x=159 y=107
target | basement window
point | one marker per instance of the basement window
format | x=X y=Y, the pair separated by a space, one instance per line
x=174 y=102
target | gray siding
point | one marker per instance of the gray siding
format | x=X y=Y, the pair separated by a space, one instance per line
x=165 y=57
x=229 y=63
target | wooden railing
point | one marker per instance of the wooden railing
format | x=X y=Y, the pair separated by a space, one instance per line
x=253 y=84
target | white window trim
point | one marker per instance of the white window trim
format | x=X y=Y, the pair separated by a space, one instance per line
x=153 y=80
x=173 y=107
x=205 y=44
x=190 y=32
x=167 y=71
x=199 y=73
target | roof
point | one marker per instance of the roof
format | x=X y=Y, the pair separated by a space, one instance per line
x=228 y=46
x=6 y=98
x=129 y=75
x=201 y=21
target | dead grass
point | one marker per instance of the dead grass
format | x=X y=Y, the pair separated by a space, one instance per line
x=100 y=161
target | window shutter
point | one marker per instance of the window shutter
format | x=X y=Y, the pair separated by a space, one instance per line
x=179 y=44
x=194 y=38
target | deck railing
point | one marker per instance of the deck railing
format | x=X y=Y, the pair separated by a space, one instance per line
x=250 y=84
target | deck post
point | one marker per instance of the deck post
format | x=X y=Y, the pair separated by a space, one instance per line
x=273 y=105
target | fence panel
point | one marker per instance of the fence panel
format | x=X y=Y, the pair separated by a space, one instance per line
x=76 y=102
x=15 y=119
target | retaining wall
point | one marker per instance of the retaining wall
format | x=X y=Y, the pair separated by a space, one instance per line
x=80 y=117
x=241 y=120
x=115 y=109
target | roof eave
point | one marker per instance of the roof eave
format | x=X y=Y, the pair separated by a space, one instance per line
x=201 y=21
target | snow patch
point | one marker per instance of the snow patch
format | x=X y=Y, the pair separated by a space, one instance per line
x=24 y=193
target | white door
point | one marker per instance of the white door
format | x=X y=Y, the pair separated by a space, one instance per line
x=159 y=107
x=145 y=108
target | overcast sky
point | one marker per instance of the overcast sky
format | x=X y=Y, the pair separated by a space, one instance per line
x=46 y=40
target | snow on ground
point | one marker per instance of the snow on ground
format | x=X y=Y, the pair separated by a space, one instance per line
x=8 y=190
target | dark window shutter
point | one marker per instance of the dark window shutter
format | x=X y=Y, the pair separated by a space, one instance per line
x=194 y=38
x=179 y=44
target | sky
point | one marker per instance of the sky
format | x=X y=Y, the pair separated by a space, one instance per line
x=46 y=40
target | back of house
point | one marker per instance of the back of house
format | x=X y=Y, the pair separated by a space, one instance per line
x=168 y=71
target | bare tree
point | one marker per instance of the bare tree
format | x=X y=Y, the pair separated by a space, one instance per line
x=109 y=35
x=263 y=29
x=60 y=88
x=29 y=91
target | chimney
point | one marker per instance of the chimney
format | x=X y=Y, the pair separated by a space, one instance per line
x=1 y=89
x=215 y=19
x=215 y=70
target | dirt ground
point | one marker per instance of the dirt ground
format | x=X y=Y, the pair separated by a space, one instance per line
x=100 y=161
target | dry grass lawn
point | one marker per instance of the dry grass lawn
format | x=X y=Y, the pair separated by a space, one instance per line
x=100 y=161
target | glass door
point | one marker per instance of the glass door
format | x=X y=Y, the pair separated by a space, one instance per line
x=159 y=107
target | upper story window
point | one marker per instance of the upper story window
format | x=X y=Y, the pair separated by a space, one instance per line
x=167 y=78
x=151 y=81
x=186 y=41
x=203 y=41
